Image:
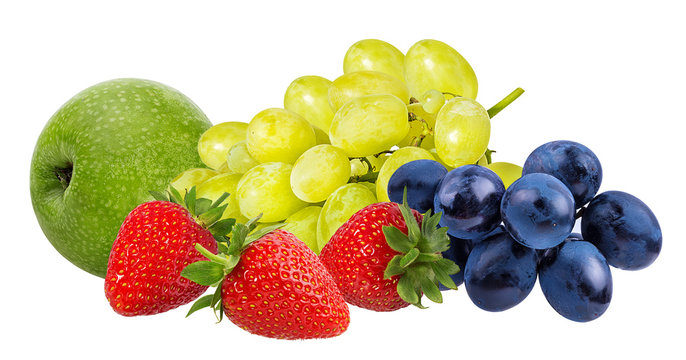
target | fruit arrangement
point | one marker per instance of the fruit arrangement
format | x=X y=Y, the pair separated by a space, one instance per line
x=376 y=189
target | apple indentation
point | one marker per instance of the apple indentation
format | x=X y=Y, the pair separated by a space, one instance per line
x=64 y=174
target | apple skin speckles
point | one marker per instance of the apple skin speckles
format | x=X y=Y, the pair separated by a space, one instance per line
x=111 y=154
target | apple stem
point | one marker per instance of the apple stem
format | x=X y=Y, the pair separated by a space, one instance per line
x=64 y=175
x=495 y=109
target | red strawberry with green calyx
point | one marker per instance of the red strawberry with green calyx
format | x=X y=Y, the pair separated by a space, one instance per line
x=270 y=283
x=155 y=243
x=386 y=256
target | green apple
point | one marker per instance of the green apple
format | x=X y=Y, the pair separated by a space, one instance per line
x=100 y=154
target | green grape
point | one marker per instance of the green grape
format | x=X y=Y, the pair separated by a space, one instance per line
x=417 y=127
x=370 y=185
x=507 y=172
x=374 y=55
x=400 y=157
x=239 y=160
x=318 y=172
x=266 y=189
x=359 y=167
x=308 y=96
x=215 y=143
x=215 y=186
x=360 y=83
x=432 y=101
x=431 y=64
x=339 y=207
x=191 y=177
x=320 y=136
x=279 y=135
x=303 y=224
x=462 y=132
x=438 y=158
x=369 y=125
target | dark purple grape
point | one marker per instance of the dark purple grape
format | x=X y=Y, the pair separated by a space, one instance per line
x=623 y=228
x=469 y=198
x=576 y=280
x=541 y=253
x=420 y=177
x=458 y=252
x=499 y=273
x=570 y=162
x=538 y=211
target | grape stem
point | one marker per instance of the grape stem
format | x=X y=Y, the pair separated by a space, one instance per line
x=368 y=177
x=495 y=109
x=579 y=213
x=426 y=131
x=488 y=155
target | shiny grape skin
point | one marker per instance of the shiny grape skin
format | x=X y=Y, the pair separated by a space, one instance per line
x=421 y=177
x=623 y=228
x=499 y=273
x=576 y=280
x=458 y=252
x=469 y=198
x=538 y=211
x=542 y=253
x=572 y=163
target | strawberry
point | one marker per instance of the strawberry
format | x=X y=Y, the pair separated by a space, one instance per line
x=386 y=256
x=272 y=284
x=154 y=244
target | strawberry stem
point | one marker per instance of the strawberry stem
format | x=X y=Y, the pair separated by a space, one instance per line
x=223 y=260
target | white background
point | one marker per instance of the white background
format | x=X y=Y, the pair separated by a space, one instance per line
x=607 y=74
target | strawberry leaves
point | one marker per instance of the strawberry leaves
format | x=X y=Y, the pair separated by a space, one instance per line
x=212 y=272
x=420 y=264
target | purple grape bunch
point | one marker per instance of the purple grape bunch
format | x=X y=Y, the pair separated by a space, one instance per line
x=504 y=239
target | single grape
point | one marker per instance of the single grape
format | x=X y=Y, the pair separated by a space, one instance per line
x=538 y=211
x=374 y=55
x=420 y=178
x=308 y=96
x=239 y=160
x=576 y=281
x=339 y=207
x=499 y=273
x=318 y=172
x=462 y=132
x=215 y=143
x=266 y=189
x=458 y=252
x=507 y=172
x=623 y=228
x=303 y=224
x=360 y=83
x=572 y=163
x=424 y=122
x=432 y=101
x=431 y=64
x=369 y=125
x=191 y=177
x=469 y=198
x=397 y=159
x=279 y=135
x=216 y=186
